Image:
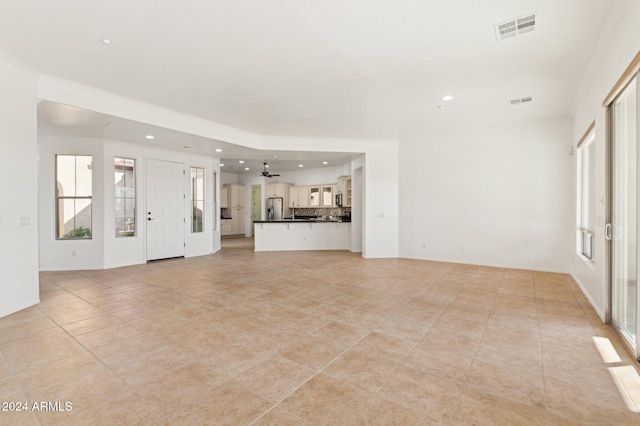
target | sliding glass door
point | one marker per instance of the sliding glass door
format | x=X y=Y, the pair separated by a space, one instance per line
x=623 y=229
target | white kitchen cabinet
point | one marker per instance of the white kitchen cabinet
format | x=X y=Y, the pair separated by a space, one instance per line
x=236 y=208
x=238 y=221
x=344 y=188
x=314 y=196
x=278 y=190
x=299 y=196
x=321 y=196
x=334 y=191
x=224 y=197
x=326 y=199
x=237 y=195
x=225 y=227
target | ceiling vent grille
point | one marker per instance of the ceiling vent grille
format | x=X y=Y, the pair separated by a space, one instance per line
x=515 y=27
x=520 y=101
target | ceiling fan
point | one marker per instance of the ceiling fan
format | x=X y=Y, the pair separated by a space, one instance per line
x=265 y=173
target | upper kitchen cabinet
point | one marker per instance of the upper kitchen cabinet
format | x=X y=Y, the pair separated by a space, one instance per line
x=321 y=196
x=298 y=196
x=278 y=190
x=224 y=197
x=344 y=188
x=236 y=195
x=327 y=196
x=314 y=196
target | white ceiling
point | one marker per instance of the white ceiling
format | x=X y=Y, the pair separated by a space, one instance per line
x=331 y=68
x=59 y=121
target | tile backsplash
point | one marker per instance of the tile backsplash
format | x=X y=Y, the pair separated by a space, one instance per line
x=322 y=211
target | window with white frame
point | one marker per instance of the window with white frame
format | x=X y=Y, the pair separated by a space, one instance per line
x=74 y=188
x=125 y=196
x=197 y=199
x=586 y=194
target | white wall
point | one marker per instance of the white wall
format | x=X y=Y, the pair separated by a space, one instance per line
x=226 y=178
x=104 y=250
x=380 y=174
x=303 y=177
x=18 y=174
x=493 y=196
x=618 y=44
x=69 y=254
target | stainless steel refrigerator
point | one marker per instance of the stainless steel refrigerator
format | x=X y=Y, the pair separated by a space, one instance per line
x=275 y=209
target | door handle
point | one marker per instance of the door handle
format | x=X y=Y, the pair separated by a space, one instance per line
x=608 y=234
x=150 y=218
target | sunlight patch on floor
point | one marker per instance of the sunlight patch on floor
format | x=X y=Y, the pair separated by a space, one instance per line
x=606 y=350
x=628 y=383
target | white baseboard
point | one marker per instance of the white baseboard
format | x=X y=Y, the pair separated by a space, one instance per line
x=491 y=265
x=588 y=296
x=20 y=307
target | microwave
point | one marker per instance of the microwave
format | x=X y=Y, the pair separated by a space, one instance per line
x=339 y=200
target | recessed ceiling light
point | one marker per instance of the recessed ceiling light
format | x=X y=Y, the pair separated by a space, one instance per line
x=300 y=165
x=307 y=116
x=266 y=165
x=221 y=165
x=447 y=97
x=105 y=41
x=150 y=137
x=360 y=74
x=275 y=156
x=218 y=150
x=241 y=161
x=325 y=162
x=246 y=168
x=110 y=124
x=60 y=119
x=440 y=106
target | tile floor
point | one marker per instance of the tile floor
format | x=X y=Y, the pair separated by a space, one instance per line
x=240 y=338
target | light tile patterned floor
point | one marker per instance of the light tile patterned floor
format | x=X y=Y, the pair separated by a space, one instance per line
x=297 y=338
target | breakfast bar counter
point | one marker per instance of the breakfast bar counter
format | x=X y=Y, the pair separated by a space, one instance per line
x=302 y=234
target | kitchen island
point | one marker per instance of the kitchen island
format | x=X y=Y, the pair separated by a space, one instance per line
x=301 y=234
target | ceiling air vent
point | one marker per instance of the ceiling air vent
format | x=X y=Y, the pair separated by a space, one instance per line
x=515 y=27
x=514 y=102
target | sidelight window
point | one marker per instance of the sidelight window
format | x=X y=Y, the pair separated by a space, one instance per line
x=197 y=199
x=125 y=197
x=586 y=194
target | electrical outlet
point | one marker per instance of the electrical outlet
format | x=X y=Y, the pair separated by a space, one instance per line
x=424 y=245
x=73 y=253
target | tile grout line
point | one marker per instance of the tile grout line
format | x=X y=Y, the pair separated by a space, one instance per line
x=329 y=363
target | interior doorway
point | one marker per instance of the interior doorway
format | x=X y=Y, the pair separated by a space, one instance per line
x=256 y=205
x=164 y=216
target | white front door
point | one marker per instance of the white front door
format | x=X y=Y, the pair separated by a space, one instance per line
x=165 y=209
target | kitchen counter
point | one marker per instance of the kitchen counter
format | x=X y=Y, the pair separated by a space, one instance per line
x=302 y=234
x=300 y=221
